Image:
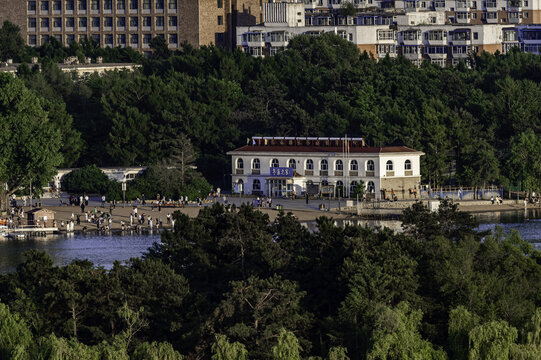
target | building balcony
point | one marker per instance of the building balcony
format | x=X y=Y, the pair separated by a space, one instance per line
x=513 y=19
x=460 y=42
x=462 y=20
x=417 y=41
x=323 y=173
x=492 y=20
x=437 y=56
x=369 y=173
x=239 y=171
x=391 y=55
x=389 y=173
x=443 y=41
x=353 y=173
x=491 y=5
x=408 y=172
x=308 y=172
x=338 y=173
x=417 y=56
x=461 y=55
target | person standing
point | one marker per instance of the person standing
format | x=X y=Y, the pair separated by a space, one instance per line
x=103 y=201
x=82 y=207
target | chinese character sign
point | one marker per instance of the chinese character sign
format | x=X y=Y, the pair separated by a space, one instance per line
x=281 y=172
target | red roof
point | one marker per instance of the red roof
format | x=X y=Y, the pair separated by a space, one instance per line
x=324 y=149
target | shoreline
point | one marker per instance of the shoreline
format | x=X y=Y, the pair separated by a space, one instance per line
x=386 y=211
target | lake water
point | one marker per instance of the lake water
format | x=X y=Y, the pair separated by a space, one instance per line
x=103 y=250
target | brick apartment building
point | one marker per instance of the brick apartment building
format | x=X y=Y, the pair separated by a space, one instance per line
x=131 y=23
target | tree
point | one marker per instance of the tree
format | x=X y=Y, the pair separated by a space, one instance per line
x=222 y=349
x=15 y=337
x=88 y=179
x=396 y=336
x=11 y=42
x=492 y=341
x=31 y=143
x=523 y=164
x=288 y=347
x=183 y=156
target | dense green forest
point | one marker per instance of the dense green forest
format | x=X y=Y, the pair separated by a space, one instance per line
x=230 y=284
x=477 y=126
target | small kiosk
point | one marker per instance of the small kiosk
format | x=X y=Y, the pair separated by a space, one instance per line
x=40 y=216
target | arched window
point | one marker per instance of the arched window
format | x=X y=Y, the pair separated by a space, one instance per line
x=339 y=188
x=370 y=187
x=352 y=187
x=324 y=165
x=275 y=163
x=292 y=163
x=324 y=182
x=309 y=164
x=240 y=186
x=338 y=165
x=370 y=165
x=256 y=186
x=256 y=164
x=353 y=166
x=407 y=165
x=240 y=163
x=389 y=165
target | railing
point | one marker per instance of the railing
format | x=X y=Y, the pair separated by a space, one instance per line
x=353 y=173
x=389 y=173
x=338 y=173
x=256 y=171
x=323 y=173
x=370 y=173
x=239 y=171
x=308 y=172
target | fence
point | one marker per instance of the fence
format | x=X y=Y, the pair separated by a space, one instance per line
x=462 y=193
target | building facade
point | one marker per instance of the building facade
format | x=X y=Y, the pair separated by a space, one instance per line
x=283 y=166
x=441 y=31
x=131 y=23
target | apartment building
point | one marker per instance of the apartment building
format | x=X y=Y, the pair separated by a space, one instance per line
x=440 y=31
x=131 y=23
x=281 y=166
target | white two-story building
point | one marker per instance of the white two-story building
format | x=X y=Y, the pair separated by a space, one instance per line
x=282 y=166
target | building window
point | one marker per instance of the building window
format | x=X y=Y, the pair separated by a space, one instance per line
x=172 y=4
x=173 y=39
x=309 y=164
x=108 y=39
x=370 y=165
x=134 y=39
x=240 y=186
x=121 y=39
x=108 y=22
x=475 y=36
x=82 y=5
x=407 y=165
x=256 y=164
x=389 y=165
x=121 y=22
x=32 y=40
x=133 y=5
x=220 y=4
x=70 y=38
x=96 y=38
x=107 y=4
x=275 y=163
x=352 y=186
x=220 y=20
x=70 y=5
x=94 y=5
x=147 y=38
x=134 y=21
x=159 y=5
x=96 y=22
x=44 y=23
x=160 y=21
x=82 y=22
x=70 y=22
x=292 y=163
x=31 y=6
x=147 y=21
x=240 y=164
x=324 y=165
x=44 y=39
x=256 y=185
x=31 y=23
x=370 y=187
x=57 y=5
x=338 y=165
x=173 y=21
x=120 y=5
x=57 y=22
x=324 y=182
x=353 y=165
x=44 y=6
x=146 y=4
